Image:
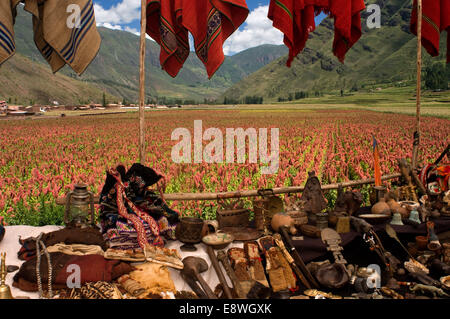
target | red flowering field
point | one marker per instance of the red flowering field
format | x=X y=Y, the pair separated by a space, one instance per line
x=42 y=159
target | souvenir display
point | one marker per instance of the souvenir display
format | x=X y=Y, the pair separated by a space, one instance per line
x=125 y=258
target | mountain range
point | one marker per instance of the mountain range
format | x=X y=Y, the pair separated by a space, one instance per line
x=382 y=55
x=26 y=76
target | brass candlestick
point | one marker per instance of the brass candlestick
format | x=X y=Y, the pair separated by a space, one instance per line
x=5 y=291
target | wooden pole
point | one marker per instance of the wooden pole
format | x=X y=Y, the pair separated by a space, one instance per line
x=276 y=191
x=142 y=83
x=255 y=193
x=419 y=82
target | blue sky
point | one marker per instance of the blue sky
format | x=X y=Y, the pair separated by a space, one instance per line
x=257 y=30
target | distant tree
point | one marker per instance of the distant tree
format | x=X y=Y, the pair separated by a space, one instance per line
x=290 y=97
x=436 y=77
x=104 y=99
x=354 y=88
x=448 y=71
x=9 y=101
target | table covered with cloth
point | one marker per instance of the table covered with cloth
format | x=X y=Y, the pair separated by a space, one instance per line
x=355 y=250
x=313 y=248
x=10 y=244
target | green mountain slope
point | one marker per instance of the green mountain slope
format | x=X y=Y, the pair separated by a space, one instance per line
x=384 y=55
x=116 y=68
x=25 y=82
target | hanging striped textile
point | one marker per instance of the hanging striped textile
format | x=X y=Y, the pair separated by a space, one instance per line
x=57 y=35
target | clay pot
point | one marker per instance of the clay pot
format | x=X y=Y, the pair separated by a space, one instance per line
x=421 y=242
x=283 y=219
x=381 y=208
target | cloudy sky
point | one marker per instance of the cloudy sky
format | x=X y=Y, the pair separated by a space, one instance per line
x=257 y=30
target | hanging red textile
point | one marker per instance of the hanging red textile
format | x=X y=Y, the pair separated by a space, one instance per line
x=347 y=26
x=163 y=25
x=435 y=19
x=211 y=22
x=296 y=19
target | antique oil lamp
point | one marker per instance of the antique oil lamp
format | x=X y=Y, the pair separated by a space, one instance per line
x=5 y=291
x=79 y=205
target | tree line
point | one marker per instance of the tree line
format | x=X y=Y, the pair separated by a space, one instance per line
x=437 y=76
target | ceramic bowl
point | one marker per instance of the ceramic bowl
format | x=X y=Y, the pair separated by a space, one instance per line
x=218 y=240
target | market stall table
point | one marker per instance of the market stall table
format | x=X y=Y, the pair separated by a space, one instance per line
x=313 y=248
x=10 y=244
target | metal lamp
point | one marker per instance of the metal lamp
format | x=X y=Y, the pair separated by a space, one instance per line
x=79 y=205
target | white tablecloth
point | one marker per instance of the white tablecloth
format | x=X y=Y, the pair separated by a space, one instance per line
x=10 y=245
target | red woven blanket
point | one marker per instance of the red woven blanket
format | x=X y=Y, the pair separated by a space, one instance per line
x=210 y=22
x=435 y=19
x=295 y=18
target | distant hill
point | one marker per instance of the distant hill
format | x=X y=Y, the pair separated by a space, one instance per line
x=116 y=71
x=384 y=55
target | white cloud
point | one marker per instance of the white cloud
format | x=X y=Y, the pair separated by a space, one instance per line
x=257 y=31
x=110 y=26
x=124 y=12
